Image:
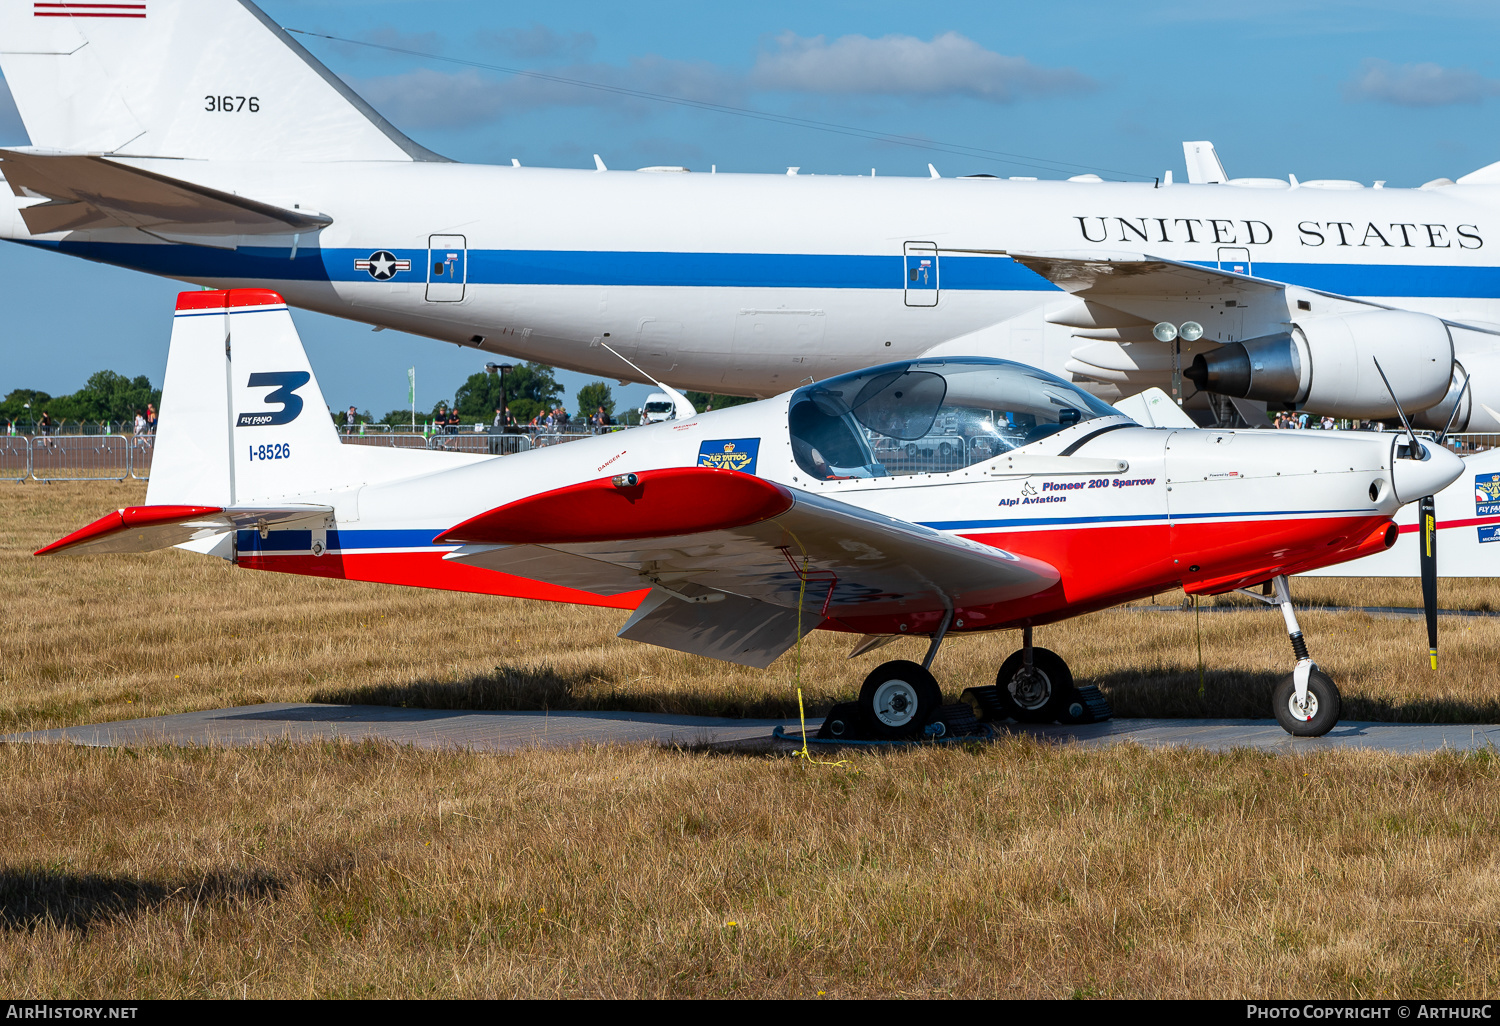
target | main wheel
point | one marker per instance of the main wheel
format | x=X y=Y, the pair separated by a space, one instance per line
x=1041 y=696
x=898 y=699
x=1320 y=714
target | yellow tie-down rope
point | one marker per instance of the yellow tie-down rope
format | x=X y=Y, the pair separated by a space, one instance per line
x=797 y=675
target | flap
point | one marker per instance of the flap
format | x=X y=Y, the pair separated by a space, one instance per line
x=147 y=528
x=88 y=192
x=855 y=562
x=734 y=629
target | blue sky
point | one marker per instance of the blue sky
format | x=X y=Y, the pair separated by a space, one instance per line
x=1379 y=90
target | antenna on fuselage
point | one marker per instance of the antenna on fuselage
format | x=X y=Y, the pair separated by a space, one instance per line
x=685 y=409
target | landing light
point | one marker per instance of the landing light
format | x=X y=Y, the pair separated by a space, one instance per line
x=1164 y=332
x=1191 y=331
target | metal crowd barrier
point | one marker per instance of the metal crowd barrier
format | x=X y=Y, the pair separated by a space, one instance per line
x=540 y=440
x=15 y=458
x=80 y=458
x=141 y=448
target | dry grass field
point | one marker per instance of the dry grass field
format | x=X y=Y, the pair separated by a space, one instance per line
x=1011 y=869
x=113 y=637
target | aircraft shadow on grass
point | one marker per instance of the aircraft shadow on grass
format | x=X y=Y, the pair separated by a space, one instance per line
x=31 y=898
x=1239 y=694
x=1154 y=693
x=591 y=689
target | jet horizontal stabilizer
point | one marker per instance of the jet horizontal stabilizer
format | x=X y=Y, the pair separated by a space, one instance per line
x=93 y=192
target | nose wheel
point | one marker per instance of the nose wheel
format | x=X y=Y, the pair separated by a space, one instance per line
x=1306 y=703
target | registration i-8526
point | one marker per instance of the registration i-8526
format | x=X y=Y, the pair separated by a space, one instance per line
x=271 y=451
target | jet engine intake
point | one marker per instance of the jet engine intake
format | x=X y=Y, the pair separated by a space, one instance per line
x=1327 y=364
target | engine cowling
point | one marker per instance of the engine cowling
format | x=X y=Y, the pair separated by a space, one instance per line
x=1327 y=364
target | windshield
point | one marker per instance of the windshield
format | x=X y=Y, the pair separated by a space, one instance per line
x=930 y=416
x=659 y=407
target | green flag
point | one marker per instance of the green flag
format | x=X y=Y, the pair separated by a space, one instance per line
x=411 y=385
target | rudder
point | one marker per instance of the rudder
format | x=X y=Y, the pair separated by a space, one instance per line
x=201 y=79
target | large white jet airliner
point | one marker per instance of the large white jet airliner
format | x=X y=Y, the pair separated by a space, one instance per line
x=196 y=139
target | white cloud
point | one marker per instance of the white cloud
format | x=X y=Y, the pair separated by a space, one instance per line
x=1418 y=85
x=899 y=66
x=946 y=65
x=538 y=42
x=432 y=99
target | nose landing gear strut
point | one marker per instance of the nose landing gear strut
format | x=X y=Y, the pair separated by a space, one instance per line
x=1306 y=701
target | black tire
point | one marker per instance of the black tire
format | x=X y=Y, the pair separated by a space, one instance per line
x=1047 y=697
x=911 y=451
x=1323 y=701
x=898 y=699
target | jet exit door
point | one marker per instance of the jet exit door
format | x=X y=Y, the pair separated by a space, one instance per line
x=1234 y=258
x=921 y=274
x=447 y=268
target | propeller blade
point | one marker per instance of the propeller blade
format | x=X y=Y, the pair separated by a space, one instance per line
x=1411 y=436
x=1427 y=520
x=1457 y=405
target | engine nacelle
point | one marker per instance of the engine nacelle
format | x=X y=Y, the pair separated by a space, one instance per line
x=1437 y=418
x=1327 y=364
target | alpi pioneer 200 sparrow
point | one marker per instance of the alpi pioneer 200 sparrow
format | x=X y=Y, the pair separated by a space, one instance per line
x=731 y=533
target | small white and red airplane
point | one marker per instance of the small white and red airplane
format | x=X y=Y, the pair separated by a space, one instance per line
x=733 y=533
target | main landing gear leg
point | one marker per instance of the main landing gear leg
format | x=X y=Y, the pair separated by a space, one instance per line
x=1034 y=685
x=1306 y=702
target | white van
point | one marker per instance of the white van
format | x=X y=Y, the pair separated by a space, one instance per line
x=659 y=407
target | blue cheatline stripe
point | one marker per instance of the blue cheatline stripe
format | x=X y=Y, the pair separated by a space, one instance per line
x=341 y=540
x=731 y=270
x=970 y=525
x=346 y=540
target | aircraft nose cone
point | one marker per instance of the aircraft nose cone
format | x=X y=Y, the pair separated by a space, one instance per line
x=1414 y=478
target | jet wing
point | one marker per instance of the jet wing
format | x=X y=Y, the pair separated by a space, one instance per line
x=732 y=557
x=91 y=192
x=147 y=528
x=1103 y=278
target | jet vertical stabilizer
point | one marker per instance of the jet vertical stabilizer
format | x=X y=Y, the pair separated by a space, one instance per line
x=202 y=79
x=1203 y=165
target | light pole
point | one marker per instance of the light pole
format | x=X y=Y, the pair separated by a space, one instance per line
x=501 y=369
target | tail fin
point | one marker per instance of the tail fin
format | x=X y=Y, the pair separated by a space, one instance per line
x=242 y=418
x=203 y=79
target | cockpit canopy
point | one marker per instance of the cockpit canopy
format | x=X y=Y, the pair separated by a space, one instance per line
x=929 y=416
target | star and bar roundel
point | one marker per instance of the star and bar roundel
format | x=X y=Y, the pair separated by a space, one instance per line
x=382 y=265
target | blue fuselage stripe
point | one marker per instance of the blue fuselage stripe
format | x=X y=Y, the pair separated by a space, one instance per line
x=729 y=270
x=345 y=540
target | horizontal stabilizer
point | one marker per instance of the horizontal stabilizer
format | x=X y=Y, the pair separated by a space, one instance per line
x=91 y=192
x=147 y=528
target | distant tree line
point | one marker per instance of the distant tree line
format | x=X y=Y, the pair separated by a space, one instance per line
x=107 y=396
x=531 y=392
